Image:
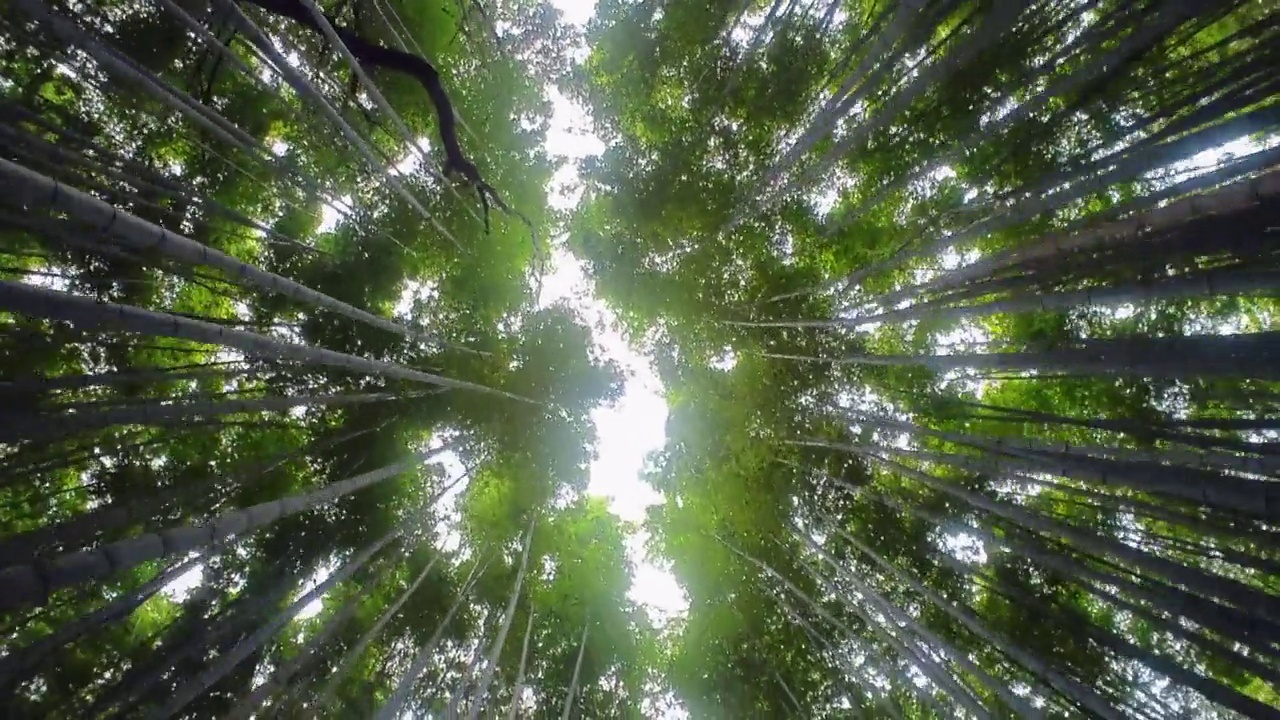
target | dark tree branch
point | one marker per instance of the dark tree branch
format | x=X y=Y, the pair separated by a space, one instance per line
x=372 y=55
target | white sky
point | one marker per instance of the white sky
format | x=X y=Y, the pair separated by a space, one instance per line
x=635 y=425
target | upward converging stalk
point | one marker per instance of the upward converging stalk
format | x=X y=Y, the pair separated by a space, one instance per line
x=33 y=583
x=577 y=670
x=495 y=652
x=349 y=658
x=518 y=691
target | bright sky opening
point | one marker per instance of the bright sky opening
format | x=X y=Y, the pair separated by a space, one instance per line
x=636 y=424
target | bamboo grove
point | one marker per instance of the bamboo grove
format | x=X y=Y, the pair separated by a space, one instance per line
x=965 y=315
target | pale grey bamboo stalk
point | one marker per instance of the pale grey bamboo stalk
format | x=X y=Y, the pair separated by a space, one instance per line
x=1246 y=355
x=305 y=89
x=157 y=184
x=901 y=641
x=752 y=47
x=279 y=679
x=112 y=61
x=353 y=653
x=84 y=419
x=495 y=652
x=1207 y=284
x=524 y=654
x=1146 y=155
x=842 y=99
x=1191 y=459
x=1207 y=460
x=932 y=641
x=1032 y=205
x=23 y=659
x=1210 y=487
x=130 y=231
x=32 y=583
x=1207 y=685
x=212 y=42
x=1028 y=207
x=458 y=697
x=848 y=634
x=577 y=673
x=791 y=586
x=1066 y=685
x=1227 y=590
x=1142 y=37
x=83 y=528
x=905 y=655
x=120 y=65
x=79 y=530
x=201 y=634
x=838 y=655
x=790 y=695
x=85 y=313
x=1098 y=229
x=392 y=707
x=81 y=381
x=1004 y=16
x=357 y=69
x=331 y=35
x=193 y=688
x=1239 y=195
x=400 y=38
x=1233 y=624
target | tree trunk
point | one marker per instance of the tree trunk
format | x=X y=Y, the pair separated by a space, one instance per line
x=33 y=583
x=1074 y=691
x=1239 y=195
x=524 y=654
x=139 y=680
x=902 y=642
x=458 y=698
x=1253 y=355
x=1000 y=18
x=1226 y=589
x=56 y=423
x=353 y=653
x=1233 y=624
x=19 y=661
x=865 y=78
x=577 y=670
x=371 y=55
x=495 y=652
x=1207 y=284
x=194 y=687
x=279 y=680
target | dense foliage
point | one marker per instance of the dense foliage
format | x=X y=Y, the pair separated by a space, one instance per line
x=965 y=314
